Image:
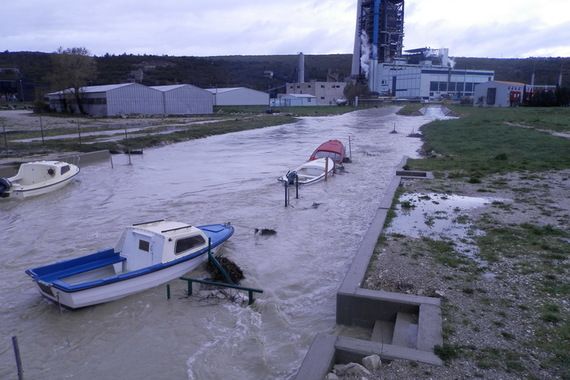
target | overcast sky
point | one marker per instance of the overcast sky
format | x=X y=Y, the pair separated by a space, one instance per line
x=474 y=28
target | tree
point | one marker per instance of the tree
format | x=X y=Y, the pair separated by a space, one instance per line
x=354 y=89
x=73 y=68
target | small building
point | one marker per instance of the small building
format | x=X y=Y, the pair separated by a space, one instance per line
x=294 y=100
x=185 y=99
x=325 y=93
x=499 y=94
x=110 y=100
x=239 y=96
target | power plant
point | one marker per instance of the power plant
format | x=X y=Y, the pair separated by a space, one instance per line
x=423 y=74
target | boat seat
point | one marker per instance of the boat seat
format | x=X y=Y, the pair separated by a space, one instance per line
x=91 y=265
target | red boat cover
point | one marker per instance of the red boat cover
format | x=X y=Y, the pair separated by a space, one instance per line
x=332 y=148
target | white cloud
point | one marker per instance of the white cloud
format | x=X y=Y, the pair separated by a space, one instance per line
x=508 y=28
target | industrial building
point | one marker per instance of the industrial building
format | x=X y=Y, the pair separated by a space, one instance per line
x=422 y=74
x=239 y=96
x=185 y=99
x=134 y=99
x=293 y=100
x=499 y=94
x=325 y=93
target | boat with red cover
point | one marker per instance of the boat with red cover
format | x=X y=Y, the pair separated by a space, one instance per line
x=333 y=149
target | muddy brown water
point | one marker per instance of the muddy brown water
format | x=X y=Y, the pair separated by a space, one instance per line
x=217 y=179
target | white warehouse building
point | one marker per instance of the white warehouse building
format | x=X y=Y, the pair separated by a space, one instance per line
x=134 y=99
x=239 y=96
x=110 y=100
x=185 y=99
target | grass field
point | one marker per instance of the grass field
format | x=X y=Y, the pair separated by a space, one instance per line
x=485 y=140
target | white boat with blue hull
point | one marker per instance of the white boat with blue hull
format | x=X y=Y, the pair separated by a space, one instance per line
x=36 y=178
x=147 y=255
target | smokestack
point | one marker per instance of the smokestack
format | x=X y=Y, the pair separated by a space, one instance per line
x=301 y=68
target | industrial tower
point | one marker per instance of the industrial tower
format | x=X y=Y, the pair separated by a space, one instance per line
x=379 y=34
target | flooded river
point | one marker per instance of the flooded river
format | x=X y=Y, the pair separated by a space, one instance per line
x=217 y=179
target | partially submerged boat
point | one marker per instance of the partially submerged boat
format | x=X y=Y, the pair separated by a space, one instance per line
x=147 y=255
x=36 y=178
x=309 y=172
x=333 y=149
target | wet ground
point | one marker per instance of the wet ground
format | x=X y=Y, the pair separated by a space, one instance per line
x=221 y=178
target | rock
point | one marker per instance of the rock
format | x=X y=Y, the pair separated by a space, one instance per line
x=331 y=376
x=372 y=362
x=351 y=369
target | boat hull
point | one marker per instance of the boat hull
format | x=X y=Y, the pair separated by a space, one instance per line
x=18 y=190
x=102 y=276
x=117 y=290
x=311 y=171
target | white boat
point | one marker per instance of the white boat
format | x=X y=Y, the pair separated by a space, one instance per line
x=39 y=177
x=310 y=172
x=147 y=255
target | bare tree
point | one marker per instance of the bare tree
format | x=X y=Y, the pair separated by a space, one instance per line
x=73 y=68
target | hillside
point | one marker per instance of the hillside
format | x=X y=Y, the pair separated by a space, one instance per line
x=227 y=71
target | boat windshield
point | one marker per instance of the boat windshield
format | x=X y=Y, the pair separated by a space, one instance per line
x=189 y=243
x=332 y=155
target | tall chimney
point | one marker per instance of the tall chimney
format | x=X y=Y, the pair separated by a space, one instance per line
x=301 y=68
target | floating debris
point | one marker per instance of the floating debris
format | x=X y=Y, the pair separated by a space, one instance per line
x=265 y=231
x=231 y=268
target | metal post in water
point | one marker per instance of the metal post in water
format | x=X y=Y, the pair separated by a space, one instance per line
x=349 y=148
x=79 y=133
x=5 y=137
x=326 y=168
x=286 y=193
x=42 y=128
x=167 y=291
x=127 y=144
x=18 y=357
x=296 y=187
x=111 y=158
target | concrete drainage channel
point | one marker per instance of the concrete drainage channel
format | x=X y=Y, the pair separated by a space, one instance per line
x=401 y=326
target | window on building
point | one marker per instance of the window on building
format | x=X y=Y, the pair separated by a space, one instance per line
x=322 y=97
x=322 y=86
x=442 y=86
x=433 y=86
x=309 y=86
x=469 y=86
x=459 y=87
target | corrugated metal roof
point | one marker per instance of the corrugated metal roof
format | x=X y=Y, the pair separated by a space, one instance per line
x=93 y=89
x=300 y=95
x=168 y=87
x=227 y=89
x=511 y=83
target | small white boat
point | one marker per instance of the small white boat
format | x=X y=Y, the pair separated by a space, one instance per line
x=39 y=177
x=147 y=255
x=310 y=172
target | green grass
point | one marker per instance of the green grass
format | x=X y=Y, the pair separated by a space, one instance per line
x=482 y=142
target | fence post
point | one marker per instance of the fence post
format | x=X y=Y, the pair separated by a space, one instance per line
x=5 y=136
x=18 y=357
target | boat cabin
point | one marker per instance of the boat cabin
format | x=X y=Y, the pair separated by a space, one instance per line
x=31 y=173
x=158 y=242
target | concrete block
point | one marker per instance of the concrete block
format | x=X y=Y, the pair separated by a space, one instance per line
x=405 y=330
x=429 y=327
x=319 y=359
x=382 y=332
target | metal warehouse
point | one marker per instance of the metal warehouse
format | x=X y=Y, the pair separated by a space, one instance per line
x=110 y=100
x=239 y=96
x=185 y=99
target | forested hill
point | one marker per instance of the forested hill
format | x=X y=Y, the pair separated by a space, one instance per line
x=250 y=71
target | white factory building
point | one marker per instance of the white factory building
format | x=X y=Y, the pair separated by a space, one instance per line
x=239 y=96
x=134 y=99
x=294 y=100
x=499 y=94
x=325 y=93
x=426 y=74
